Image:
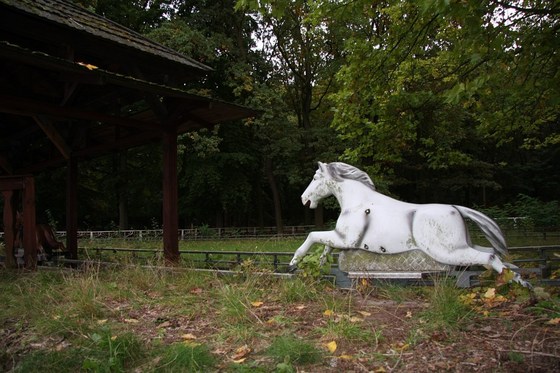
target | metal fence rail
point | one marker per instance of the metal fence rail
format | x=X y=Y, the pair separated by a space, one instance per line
x=541 y=261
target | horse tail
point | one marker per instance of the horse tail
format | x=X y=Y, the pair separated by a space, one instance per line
x=488 y=226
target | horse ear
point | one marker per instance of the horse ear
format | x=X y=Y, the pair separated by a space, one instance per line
x=322 y=166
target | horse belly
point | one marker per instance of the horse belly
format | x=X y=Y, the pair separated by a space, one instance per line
x=390 y=233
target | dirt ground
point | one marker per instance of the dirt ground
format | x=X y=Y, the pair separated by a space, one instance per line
x=500 y=335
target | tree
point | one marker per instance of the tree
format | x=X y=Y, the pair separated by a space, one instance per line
x=447 y=84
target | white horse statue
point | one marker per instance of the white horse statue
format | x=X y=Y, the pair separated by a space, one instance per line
x=377 y=223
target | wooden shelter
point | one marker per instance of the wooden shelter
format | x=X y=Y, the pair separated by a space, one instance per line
x=74 y=85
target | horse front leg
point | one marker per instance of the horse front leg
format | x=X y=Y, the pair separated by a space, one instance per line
x=328 y=238
x=326 y=251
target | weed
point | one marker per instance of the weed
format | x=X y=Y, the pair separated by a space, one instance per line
x=415 y=336
x=349 y=329
x=548 y=308
x=111 y=353
x=397 y=292
x=183 y=358
x=238 y=333
x=252 y=367
x=516 y=357
x=446 y=310
x=310 y=265
x=297 y=290
x=233 y=304
x=51 y=361
x=291 y=350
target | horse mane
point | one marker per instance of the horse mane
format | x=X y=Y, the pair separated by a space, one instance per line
x=340 y=171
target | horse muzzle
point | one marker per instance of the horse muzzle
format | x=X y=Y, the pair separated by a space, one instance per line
x=308 y=203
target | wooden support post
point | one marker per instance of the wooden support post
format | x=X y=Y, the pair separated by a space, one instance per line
x=72 y=208
x=9 y=219
x=29 y=223
x=170 y=197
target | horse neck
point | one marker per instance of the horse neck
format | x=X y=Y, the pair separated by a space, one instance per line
x=353 y=193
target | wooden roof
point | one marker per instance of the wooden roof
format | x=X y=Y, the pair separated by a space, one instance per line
x=73 y=83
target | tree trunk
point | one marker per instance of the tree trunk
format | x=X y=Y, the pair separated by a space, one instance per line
x=275 y=196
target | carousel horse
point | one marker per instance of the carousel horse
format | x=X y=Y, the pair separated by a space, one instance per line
x=380 y=224
x=46 y=238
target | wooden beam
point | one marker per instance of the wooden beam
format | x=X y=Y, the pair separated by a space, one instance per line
x=9 y=218
x=31 y=108
x=29 y=224
x=72 y=208
x=52 y=133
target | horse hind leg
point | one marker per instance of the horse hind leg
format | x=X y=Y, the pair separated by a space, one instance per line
x=470 y=256
x=496 y=263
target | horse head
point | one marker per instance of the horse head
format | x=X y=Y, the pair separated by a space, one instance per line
x=320 y=187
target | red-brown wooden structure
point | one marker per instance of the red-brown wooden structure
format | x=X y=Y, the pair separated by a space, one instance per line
x=74 y=85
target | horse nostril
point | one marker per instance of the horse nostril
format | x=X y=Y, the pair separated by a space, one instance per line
x=308 y=203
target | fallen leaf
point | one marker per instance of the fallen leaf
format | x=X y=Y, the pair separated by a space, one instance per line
x=345 y=357
x=380 y=370
x=131 y=321
x=490 y=293
x=190 y=343
x=241 y=353
x=554 y=321
x=505 y=277
x=328 y=313
x=300 y=307
x=364 y=313
x=331 y=346
x=408 y=314
x=468 y=298
x=164 y=324
x=355 y=319
x=188 y=336
x=101 y=322
x=257 y=303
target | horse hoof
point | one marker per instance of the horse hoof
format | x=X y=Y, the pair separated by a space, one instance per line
x=292 y=268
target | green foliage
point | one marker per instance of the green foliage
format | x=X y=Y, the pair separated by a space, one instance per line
x=532 y=212
x=310 y=265
x=541 y=214
x=444 y=101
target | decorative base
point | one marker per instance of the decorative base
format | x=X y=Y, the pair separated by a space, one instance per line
x=410 y=261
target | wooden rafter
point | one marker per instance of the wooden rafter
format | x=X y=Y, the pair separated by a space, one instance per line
x=52 y=133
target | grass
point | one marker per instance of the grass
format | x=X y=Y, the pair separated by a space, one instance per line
x=158 y=320
x=446 y=310
x=182 y=358
x=292 y=350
